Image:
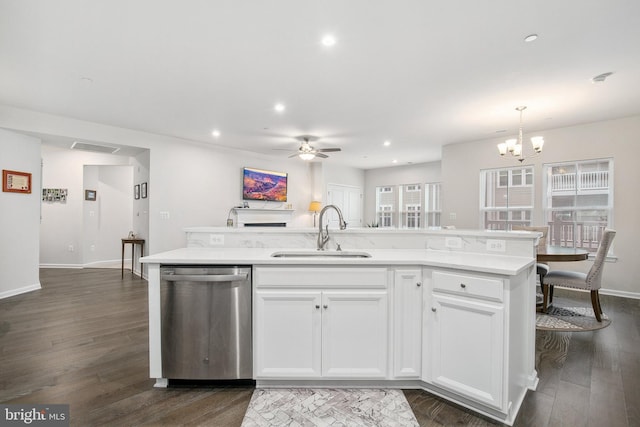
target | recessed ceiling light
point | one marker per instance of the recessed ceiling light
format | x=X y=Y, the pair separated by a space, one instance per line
x=215 y=133
x=329 y=40
x=530 y=38
x=386 y=143
x=394 y=161
x=279 y=107
x=600 y=77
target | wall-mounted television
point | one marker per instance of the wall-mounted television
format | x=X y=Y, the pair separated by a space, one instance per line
x=258 y=184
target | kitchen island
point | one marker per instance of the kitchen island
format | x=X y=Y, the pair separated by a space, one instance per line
x=457 y=321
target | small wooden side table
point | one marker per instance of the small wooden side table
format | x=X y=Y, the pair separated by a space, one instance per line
x=133 y=242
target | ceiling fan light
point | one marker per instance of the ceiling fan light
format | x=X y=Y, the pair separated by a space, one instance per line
x=307 y=156
x=502 y=148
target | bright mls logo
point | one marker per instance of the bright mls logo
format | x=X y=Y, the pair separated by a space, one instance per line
x=36 y=415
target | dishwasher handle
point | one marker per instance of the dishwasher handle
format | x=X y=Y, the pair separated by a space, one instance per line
x=204 y=277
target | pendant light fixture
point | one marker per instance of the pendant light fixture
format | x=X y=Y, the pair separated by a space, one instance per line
x=514 y=146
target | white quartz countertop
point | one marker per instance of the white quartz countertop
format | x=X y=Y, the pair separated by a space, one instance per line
x=488 y=263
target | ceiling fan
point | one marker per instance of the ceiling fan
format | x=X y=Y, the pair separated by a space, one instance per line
x=308 y=152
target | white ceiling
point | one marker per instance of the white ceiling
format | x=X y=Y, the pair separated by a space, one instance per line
x=420 y=73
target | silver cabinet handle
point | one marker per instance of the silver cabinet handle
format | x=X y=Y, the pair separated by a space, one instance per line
x=317 y=306
x=462 y=285
x=433 y=309
x=204 y=277
x=419 y=284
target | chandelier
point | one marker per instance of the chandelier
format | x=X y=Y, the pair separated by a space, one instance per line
x=514 y=146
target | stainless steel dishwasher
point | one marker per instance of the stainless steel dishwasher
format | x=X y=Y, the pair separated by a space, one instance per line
x=206 y=322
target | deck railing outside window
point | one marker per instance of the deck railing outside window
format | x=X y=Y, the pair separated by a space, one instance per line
x=598 y=180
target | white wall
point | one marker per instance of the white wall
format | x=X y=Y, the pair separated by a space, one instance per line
x=193 y=184
x=419 y=173
x=61 y=228
x=109 y=217
x=618 y=139
x=19 y=217
x=140 y=219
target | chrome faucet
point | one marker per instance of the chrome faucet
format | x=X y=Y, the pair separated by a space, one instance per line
x=323 y=235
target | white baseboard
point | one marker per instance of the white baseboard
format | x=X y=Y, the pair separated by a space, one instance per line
x=113 y=263
x=60 y=265
x=623 y=294
x=23 y=290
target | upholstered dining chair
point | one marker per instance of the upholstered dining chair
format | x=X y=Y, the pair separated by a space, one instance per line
x=541 y=268
x=590 y=281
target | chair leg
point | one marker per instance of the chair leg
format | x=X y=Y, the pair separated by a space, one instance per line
x=550 y=294
x=545 y=297
x=595 y=302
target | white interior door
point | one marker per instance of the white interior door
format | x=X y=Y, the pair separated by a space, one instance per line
x=349 y=200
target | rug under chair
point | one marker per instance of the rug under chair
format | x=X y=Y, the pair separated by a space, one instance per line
x=328 y=407
x=569 y=316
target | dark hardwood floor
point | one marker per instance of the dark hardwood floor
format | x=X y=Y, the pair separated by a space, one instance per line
x=82 y=340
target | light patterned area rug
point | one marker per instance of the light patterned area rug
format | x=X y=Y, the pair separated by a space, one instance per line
x=328 y=407
x=569 y=318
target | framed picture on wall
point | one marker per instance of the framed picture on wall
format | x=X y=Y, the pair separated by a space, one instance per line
x=90 y=195
x=16 y=182
x=143 y=190
x=136 y=191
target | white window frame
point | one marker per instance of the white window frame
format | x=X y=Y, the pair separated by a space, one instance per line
x=577 y=234
x=505 y=213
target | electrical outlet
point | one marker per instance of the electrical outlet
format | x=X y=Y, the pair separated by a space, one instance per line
x=495 y=245
x=216 y=239
x=452 y=215
x=92 y=248
x=70 y=248
x=164 y=215
x=453 y=242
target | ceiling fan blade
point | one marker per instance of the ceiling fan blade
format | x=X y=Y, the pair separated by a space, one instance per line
x=294 y=155
x=328 y=150
x=323 y=156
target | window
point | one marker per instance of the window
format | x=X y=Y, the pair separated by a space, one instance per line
x=402 y=206
x=413 y=216
x=578 y=203
x=506 y=197
x=432 y=206
x=385 y=216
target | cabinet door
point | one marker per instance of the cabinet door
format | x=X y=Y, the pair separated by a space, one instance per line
x=287 y=334
x=466 y=348
x=354 y=334
x=407 y=325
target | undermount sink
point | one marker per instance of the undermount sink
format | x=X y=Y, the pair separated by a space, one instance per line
x=316 y=254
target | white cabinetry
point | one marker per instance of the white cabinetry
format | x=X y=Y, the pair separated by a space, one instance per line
x=465 y=346
x=329 y=323
x=407 y=326
x=287 y=334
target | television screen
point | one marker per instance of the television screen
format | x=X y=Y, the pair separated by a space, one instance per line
x=260 y=184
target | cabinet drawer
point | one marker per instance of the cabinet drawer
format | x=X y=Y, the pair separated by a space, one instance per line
x=473 y=286
x=320 y=277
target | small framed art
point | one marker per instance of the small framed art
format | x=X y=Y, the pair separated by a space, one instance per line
x=90 y=195
x=136 y=191
x=16 y=182
x=143 y=190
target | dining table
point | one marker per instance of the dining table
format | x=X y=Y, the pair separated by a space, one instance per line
x=561 y=254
